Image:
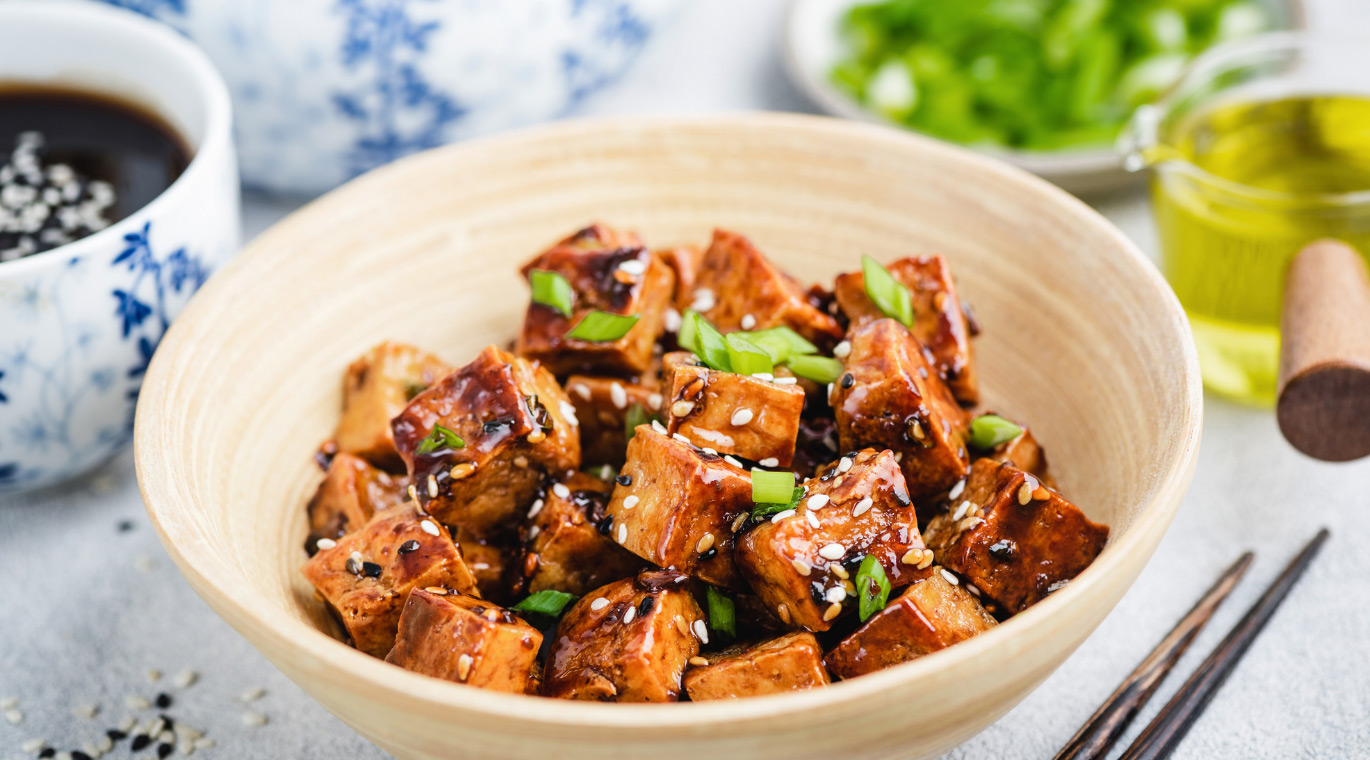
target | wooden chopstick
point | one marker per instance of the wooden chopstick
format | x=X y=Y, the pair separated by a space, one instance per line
x=1169 y=727
x=1097 y=736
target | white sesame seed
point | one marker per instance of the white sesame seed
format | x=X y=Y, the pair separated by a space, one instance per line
x=839 y=571
x=581 y=389
x=136 y=702
x=812 y=518
x=325 y=543
x=842 y=349
x=599 y=604
x=464 y=666
x=630 y=501
x=561 y=491
x=126 y=725
x=748 y=322
x=9 y=703
x=818 y=501
x=844 y=464
x=673 y=321
x=801 y=567
x=252 y=695
x=430 y=527
x=618 y=395
x=957 y=489
x=961 y=510
x=950 y=578
x=166 y=737
x=786 y=381
x=186 y=732
x=709 y=451
x=832 y=612
x=145 y=563
x=972 y=589
x=204 y=743
x=85 y=711
x=629 y=615
x=14 y=717
x=769 y=462
x=521 y=462
x=622 y=533
x=701 y=631
x=739 y=521
x=62 y=756
x=680 y=438
x=658 y=427
x=654 y=401
x=568 y=410
x=768 y=377
x=782 y=515
x=33 y=746
x=862 y=506
x=733 y=461
x=703 y=300
x=835 y=594
x=154 y=675
x=254 y=719
x=632 y=266
x=432 y=487
x=742 y=417
x=187 y=677
x=699 y=662
x=832 y=551
x=682 y=408
x=536 y=508
x=705 y=543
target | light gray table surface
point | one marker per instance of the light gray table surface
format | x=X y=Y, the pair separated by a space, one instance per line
x=91 y=607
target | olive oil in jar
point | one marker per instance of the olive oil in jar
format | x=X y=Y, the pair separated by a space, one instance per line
x=1240 y=187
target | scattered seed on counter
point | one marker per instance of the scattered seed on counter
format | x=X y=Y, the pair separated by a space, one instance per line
x=85 y=711
x=186 y=678
x=254 y=719
x=33 y=746
x=252 y=695
x=145 y=563
x=163 y=701
x=9 y=703
x=154 y=675
x=14 y=716
x=136 y=702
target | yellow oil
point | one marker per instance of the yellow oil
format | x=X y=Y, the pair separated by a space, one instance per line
x=1286 y=168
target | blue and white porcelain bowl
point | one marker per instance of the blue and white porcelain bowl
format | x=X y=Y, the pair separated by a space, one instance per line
x=326 y=89
x=79 y=323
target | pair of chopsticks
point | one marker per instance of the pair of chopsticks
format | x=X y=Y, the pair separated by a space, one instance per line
x=1094 y=740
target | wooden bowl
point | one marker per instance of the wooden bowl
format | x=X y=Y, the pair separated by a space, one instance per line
x=1082 y=338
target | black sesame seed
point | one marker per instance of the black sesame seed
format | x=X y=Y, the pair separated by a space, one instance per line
x=645 y=607
x=48 y=752
x=115 y=735
x=163 y=701
x=170 y=724
x=353 y=566
x=79 y=755
x=370 y=570
x=624 y=480
x=710 y=554
x=848 y=381
x=125 y=526
x=409 y=546
x=140 y=742
x=163 y=750
x=606 y=526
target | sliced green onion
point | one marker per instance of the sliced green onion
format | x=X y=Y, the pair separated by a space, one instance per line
x=722 y=612
x=990 y=430
x=781 y=343
x=688 y=337
x=820 y=369
x=710 y=345
x=546 y=602
x=601 y=326
x=872 y=587
x=439 y=439
x=887 y=293
x=771 y=487
x=747 y=358
x=636 y=415
x=762 y=511
x=553 y=290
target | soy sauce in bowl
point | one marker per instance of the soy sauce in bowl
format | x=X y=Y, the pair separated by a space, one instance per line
x=74 y=162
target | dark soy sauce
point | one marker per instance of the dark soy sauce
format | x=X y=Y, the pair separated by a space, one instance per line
x=74 y=162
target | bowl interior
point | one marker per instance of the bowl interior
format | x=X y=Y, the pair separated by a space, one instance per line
x=1082 y=339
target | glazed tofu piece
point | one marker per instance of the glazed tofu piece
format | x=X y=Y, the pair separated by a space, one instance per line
x=628 y=641
x=938 y=320
x=563 y=546
x=803 y=563
x=376 y=388
x=674 y=505
x=465 y=639
x=793 y=662
x=488 y=559
x=367 y=574
x=685 y=261
x=738 y=289
x=1025 y=453
x=933 y=613
x=890 y=397
x=1014 y=539
x=602 y=405
x=608 y=271
x=735 y=414
x=515 y=424
x=351 y=492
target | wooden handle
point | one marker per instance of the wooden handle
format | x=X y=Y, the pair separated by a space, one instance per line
x=1324 y=399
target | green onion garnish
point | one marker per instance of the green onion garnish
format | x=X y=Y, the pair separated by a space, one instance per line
x=820 y=369
x=762 y=511
x=688 y=337
x=710 y=345
x=601 y=326
x=781 y=343
x=887 y=293
x=553 y=290
x=747 y=358
x=990 y=430
x=771 y=487
x=546 y=602
x=439 y=439
x=636 y=415
x=722 y=612
x=872 y=587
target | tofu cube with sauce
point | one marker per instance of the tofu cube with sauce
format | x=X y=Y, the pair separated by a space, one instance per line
x=376 y=388
x=1012 y=537
x=932 y=614
x=737 y=288
x=1024 y=452
x=466 y=639
x=675 y=506
x=735 y=414
x=351 y=492
x=890 y=397
x=602 y=405
x=628 y=641
x=939 y=323
x=488 y=559
x=792 y=662
x=367 y=574
x=685 y=261
x=515 y=424
x=609 y=271
x=803 y=562
x=564 y=548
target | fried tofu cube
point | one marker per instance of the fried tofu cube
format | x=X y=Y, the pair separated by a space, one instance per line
x=602 y=405
x=1024 y=452
x=467 y=640
x=675 y=506
x=563 y=546
x=932 y=614
x=938 y=320
x=792 y=662
x=351 y=492
x=515 y=424
x=366 y=576
x=608 y=271
x=488 y=559
x=685 y=261
x=803 y=563
x=376 y=388
x=735 y=414
x=890 y=397
x=1013 y=538
x=738 y=289
x=628 y=641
